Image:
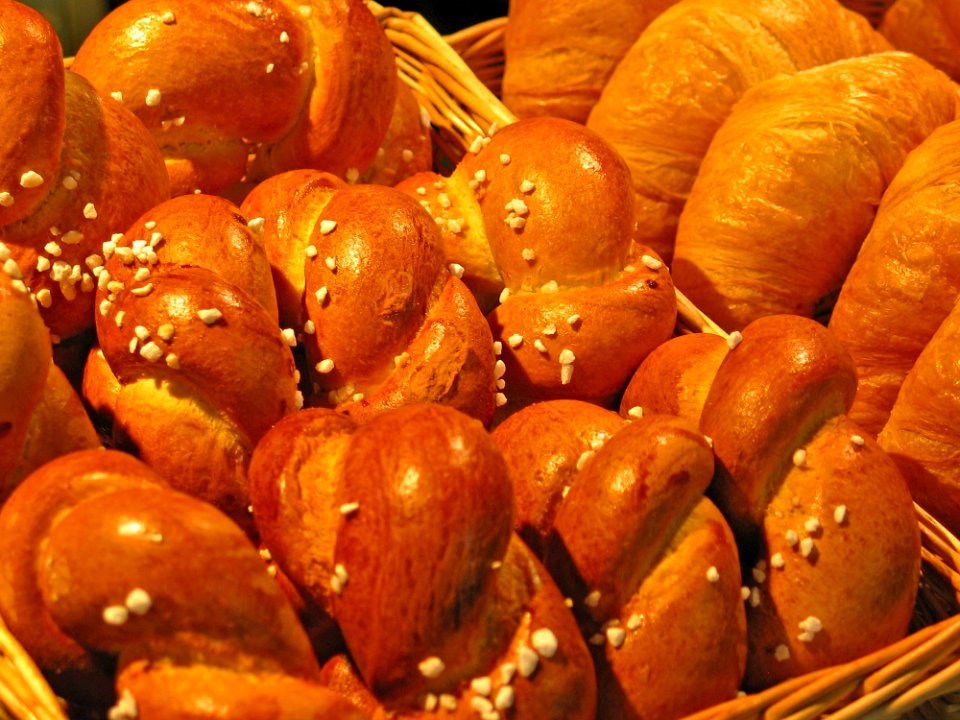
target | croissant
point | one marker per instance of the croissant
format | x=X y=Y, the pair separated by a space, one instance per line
x=294 y=83
x=384 y=322
x=928 y=28
x=921 y=433
x=906 y=277
x=580 y=304
x=675 y=87
x=459 y=614
x=197 y=368
x=809 y=496
x=792 y=180
x=102 y=557
x=651 y=565
x=558 y=55
x=68 y=159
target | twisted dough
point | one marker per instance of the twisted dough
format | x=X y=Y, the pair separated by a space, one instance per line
x=651 y=565
x=459 y=608
x=104 y=558
x=297 y=83
x=384 y=323
x=824 y=519
x=580 y=304
x=928 y=28
x=187 y=324
x=68 y=159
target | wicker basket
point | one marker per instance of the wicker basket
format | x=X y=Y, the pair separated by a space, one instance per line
x=918 y=677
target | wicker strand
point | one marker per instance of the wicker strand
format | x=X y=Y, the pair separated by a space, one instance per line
x=23 y=691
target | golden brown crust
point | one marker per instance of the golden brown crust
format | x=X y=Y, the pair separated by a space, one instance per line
x=677 y=84
x=906 y=277
x=25 y=358
x=928 y=28
x=921 y=434
x=288 y=204
x=407 y=148
x=390 y=324
x=810 y=497
x=310 y=88
x=779 y=232
x=632 y=541
x=543 y=445
x=676 y=377
x=557 y=59
x=457 y=587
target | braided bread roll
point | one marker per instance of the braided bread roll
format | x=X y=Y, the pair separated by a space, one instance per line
x=384 y=323
x=906 y=277
x=580 y=304
x=187 y=324
x=921 y=434
x=809 y=496
x=41 y=416
x=459 y=610
x=102 y=557
x=68 y=159
x=792 y=180
x=649 y=561
x=928 y=28
x=678 y=83
x=295 y=83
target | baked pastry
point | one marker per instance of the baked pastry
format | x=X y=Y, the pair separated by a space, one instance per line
x=187 y=323
x=792 y=180
x=41 y=416
x=102 y=557
x=459 y=614
x=921 y=434
x=407 y=148
x=675 y=87
x=928 y=28
x=619 y=510
x=559 y=55
x=809 y=495
x=296 y=83
x=363 y=280
x=68 y=159
x=906 y=277
x=580 y=304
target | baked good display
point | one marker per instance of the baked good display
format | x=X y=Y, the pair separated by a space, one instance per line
x=99 y=548
x=291 y=83
x=459 y=616
x=921 y=433
x=364 y=283
x=67 y=161
x=928 y=28
x=617 y=509
x=797 y=170
x=678 y=83
x=573 y=301
x=906 y=277
x=558 y=56
x=197 y=366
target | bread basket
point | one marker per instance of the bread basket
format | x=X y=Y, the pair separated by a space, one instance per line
x=456 y=80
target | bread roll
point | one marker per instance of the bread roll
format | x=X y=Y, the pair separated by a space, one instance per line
x=295 y=83
x=921 y=434
x=906 y=277
x=792 y=180
x=677 y=84
x=928 y=28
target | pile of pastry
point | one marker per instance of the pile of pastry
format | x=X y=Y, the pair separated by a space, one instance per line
x=293 y=426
